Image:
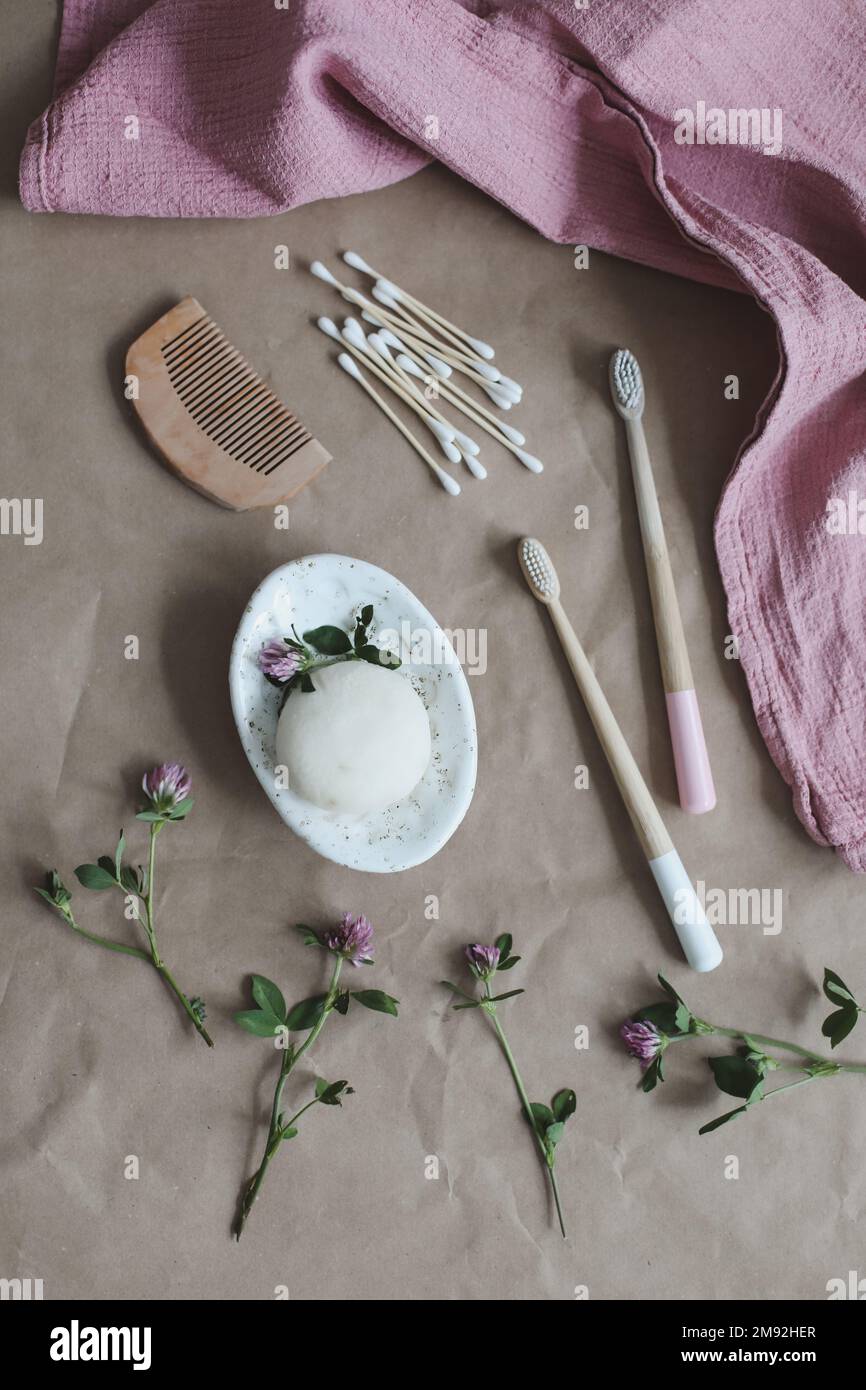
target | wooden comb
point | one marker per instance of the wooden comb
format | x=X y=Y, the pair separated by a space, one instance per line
x=215 y=422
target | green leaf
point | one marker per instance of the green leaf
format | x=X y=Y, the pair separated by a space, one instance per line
x=508 y=995
x=49 y=897
x=736 y=1076
x=662 y=1016
x=554 y=1133
x=310 y=937
x=131 y=879
x=544 y=1116
x=328 y=641
x=377 y=1000
x=455 y=988
x=118 y=856
x=288 y=1133
x=106 y=862
x=836 y=989
x=268 y=997
x=150 y=816
x=503 y=944
x=306 y=684
x=262 y=1023
x=682 y=1013
x=722 y=1119
x=564 y=1104
x=371 y=653
x=306 y=1014
x=367 y=614
x=509 y=963
x=342 y=1001
x=653 y=1074
x=94 y=876
x=473 y=1004
x=328 y=1093
x=182 y=809
x=837 y=1026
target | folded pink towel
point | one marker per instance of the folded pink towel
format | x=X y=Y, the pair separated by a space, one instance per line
x=253 y=107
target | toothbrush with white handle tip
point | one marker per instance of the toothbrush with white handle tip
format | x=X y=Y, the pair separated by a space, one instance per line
x=443 y=436
x=691 y=760
x=496 y=430
x=696 y=936
x=358 y=263
x=449 y=483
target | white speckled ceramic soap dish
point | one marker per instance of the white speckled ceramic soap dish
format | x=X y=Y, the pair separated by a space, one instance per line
x=318 y=589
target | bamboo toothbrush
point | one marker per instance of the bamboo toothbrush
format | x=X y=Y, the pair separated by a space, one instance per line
x=696 y=936
x=692 y=763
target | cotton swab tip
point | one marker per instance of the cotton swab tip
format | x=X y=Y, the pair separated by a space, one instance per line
x=328 y=326
x=497 y=398
x=510 y=433
x=388 y=287
x=358 y=263
x=475 y=466
x=467 y=445
x=354 y=334
x=348 y=365
x=511 y=387
x=489 y=373
x=443 y=433
x=530 y=461
x=409 y=365
x=323 y=273
x=440 y=368
x=483 y=349
x=387 y=299
x=450 y=484
x=452 y=453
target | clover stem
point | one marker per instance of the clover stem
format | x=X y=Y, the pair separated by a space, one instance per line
x=148 y=924
x=769 y=1042
x=289 y=1060
x=521 y=1091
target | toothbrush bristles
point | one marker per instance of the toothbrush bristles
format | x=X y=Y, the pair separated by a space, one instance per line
x=627 y=379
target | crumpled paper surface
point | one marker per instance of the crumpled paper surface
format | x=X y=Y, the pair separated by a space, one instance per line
x=96 y=1063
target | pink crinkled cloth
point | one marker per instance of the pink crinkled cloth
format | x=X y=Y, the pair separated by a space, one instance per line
x=564 y=112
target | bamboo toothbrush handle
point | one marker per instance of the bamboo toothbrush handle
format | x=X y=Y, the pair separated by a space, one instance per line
x=649 y=826
x=692 y=762
x=696 y=936
x=673 y=653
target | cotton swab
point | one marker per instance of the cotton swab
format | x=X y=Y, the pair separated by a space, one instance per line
x=443 y=435
x=358 y=263
x=355 y=297
x=528 y=460
x=450 y=353
x=449 y=483
x=467 y=446
x=457 y=397
x=441 y=369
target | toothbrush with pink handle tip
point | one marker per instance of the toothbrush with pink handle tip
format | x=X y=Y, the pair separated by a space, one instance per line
x=691 y=760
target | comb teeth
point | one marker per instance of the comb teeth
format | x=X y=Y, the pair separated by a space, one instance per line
x=538 y=569
x=626 y=380
x=229 y=401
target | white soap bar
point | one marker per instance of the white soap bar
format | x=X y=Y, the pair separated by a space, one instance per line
x=357 y=743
